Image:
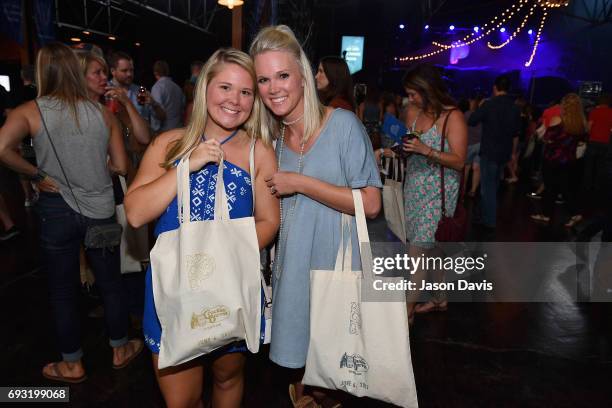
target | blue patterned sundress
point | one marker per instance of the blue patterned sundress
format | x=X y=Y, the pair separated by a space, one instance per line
x=422 y=199
x=202 y=185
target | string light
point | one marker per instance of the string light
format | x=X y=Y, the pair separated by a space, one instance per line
x=494 y=24
x=537 y=40
x=483 y=29
x=516 y=32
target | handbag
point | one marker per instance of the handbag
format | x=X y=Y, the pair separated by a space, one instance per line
x=450 y=229
x=96 y=236
x=134 y=245
x=206 y=278
x=393 y=197
x=357 y=346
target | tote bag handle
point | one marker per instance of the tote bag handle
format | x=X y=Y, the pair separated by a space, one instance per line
x=221 y=202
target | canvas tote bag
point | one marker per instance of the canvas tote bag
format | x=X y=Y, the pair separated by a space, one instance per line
x=206 y=279
x=393 y=199
x=134 y=248
x=359 y=347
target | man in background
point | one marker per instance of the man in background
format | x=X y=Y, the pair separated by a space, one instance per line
x=169 y=95
x=122 y=70
x=501 y=119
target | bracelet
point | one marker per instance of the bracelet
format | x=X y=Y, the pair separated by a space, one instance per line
x=39 y=176
x=428 y=155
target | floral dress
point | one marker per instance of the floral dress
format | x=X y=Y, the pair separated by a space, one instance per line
x=422 y=199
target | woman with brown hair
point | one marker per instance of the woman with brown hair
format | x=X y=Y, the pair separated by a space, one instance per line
x=432 y=112
x=75 y=144
x=560 y=144
x=334 y=83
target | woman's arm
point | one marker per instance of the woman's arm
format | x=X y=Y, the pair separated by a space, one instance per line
x=118 y=162
x=154 y=187
x=456 y=135
x=267 y=219
x=339 y=198
x=17 y=127
x=360 y=111
x=139 y=126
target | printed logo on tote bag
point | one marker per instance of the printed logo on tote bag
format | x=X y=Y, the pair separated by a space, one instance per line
x=209 y=318
x=355 y=363
x=355 y=320
x=199 y=268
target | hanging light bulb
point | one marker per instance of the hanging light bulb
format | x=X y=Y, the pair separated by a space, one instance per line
x=230 y=4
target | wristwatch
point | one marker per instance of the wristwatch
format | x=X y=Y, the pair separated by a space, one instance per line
x=39 y=176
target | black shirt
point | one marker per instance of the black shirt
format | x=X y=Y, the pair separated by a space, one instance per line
x=501 y=122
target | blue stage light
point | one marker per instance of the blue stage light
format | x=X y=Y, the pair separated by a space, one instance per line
x=530 y=32
x=401 y=26
x=502 y=30
x=427 y=27
x=476 y=29
x=452 y=27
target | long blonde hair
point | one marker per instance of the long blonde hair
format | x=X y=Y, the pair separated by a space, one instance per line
x=87 y=57
x=572 y=115
x=197 y=123
x=281 y=38
x=59 y=75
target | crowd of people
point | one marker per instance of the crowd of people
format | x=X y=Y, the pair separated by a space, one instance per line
x=87 y=130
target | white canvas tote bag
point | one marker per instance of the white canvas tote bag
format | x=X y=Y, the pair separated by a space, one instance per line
x=206 y=279
x=359 y=347
x=134 y=248
x=393 y=199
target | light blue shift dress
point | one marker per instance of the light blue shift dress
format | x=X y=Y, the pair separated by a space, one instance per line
x=343 y=156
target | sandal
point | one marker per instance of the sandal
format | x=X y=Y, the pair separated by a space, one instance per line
x=57 y=375
x=431 y=306
x=573 y=221
x=139 y=347
x=305 y=402
x=540 y=218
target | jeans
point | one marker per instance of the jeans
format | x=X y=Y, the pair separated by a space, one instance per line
x=594 y=172
x=62 y=231
x=489 y=183
x=559 y=178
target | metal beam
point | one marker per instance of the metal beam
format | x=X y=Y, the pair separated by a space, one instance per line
x=168 y=15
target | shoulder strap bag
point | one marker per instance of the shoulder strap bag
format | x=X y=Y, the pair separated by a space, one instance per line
x=450 y=229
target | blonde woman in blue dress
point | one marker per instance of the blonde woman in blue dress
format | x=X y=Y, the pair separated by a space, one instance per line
x=323 y=155
x=224 y=121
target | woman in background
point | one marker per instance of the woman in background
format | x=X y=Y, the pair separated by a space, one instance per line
x=75 y=195
x=560 y=142
x=334 y=83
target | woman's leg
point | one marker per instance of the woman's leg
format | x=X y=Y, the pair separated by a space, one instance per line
x=475 y=176
x=550 y=193
x=181 y=386
x=59 y=242
x=466 y=172
x=228 y=380
x=105 y=263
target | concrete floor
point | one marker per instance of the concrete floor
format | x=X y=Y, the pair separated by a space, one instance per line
x=554 y=354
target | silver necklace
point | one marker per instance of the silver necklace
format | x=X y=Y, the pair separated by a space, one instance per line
x=282 y=233
x=293 y=122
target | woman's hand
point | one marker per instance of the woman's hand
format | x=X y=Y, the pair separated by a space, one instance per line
x=283 y=183
x=47 y=185
x=119 y=94
x=415 y=145
x=207 y=152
